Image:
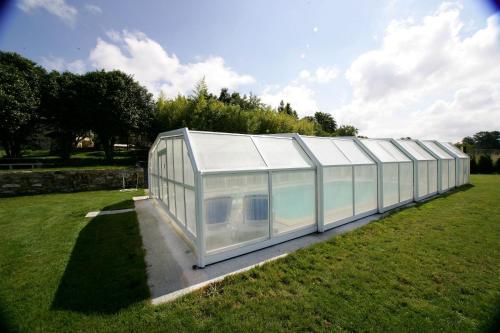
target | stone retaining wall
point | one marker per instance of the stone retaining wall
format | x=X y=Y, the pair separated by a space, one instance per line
x=27 y=182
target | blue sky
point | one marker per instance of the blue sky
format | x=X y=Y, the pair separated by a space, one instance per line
x=391 y=68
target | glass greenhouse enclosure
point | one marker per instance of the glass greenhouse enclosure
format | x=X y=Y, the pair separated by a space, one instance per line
x=395 y=173
x=425 y=171
x=462 y=162
x=446 y=165
x=348 y=179
x=230 y=194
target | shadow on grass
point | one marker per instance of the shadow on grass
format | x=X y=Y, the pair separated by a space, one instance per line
x=494 y=325
x=106 y=271
x=5 y=323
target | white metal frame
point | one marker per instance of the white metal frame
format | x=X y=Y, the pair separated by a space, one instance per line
x=457 y=163
x=322 y=224
x=380 y=180
x=440 y=160
x=416 y=175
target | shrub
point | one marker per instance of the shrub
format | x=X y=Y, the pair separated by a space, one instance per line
x=497 y=166
x=485 y=164
x=473 y=165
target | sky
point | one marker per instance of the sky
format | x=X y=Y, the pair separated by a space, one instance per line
x=395 y=68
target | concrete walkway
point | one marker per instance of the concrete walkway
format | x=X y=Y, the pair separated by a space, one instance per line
x=170 y=260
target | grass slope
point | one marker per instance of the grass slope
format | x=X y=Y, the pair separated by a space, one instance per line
x=432 y=267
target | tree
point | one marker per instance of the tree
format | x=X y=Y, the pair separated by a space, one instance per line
x=487 y=140
x=287 y=109
x=347 y=130
x=497 y=166
x=473 y=165
x=62 y=109
x=20 y=81
x=326 y=122
x=485 y=164
x=117 y=106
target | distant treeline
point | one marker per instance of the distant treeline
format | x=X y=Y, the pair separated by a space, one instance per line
x=64 y=107
x=231 y=112
x=484 y=150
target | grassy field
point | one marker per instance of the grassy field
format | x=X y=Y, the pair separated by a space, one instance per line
x=432 y=267
x=80 y=160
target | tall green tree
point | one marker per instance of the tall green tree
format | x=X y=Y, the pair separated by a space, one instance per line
x=347 y=130
x=326 y=122
x=117 y=106
x=485 y=164
x=62 y=108
x=487 y=140
x=20 y=81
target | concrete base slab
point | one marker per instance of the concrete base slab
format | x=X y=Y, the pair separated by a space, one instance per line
x=142 y=197
x=170 y=260
x=109 y=212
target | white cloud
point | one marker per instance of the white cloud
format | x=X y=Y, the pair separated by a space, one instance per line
x=315 y=29
x=61 y=65
x=149 y=62
x=300 y=97
x=427 y=80
x=93 y=9
x=320 y=75
x=58 y=8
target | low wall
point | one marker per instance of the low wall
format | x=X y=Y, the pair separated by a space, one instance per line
x=20 y=183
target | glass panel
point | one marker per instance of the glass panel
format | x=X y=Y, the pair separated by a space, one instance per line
x=171 y=197
x=190 y=211
x=437 y=150
x=444 y=175
x=163 y=181
x=405 y=181
x=282 y=152
x=433 y=176
x=365 y=188
x=337 y=201
x=179 y=203
x=226 y=152
x=423 y=178
x=325 y=151
x=390 y=184
x=394 y=151
x=178 y=171
x=415 y=150
x=454 y=149
x=236 y=209
x=294 y=200
x=452 y=174
x=353 y=152
x=188 y=167
x=461 y=171
x=170 y=159
x=378 y=151
x=467 y=171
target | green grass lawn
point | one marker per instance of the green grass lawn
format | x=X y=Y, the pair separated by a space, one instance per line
x=80 y=160
x=70 y=168
x=432 y=267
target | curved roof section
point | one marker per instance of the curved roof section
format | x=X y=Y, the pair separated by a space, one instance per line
x=385 y=150
x=433 y=147
x=239 y=152
x=336 y=151
x=454 y=150
x=412 y=148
